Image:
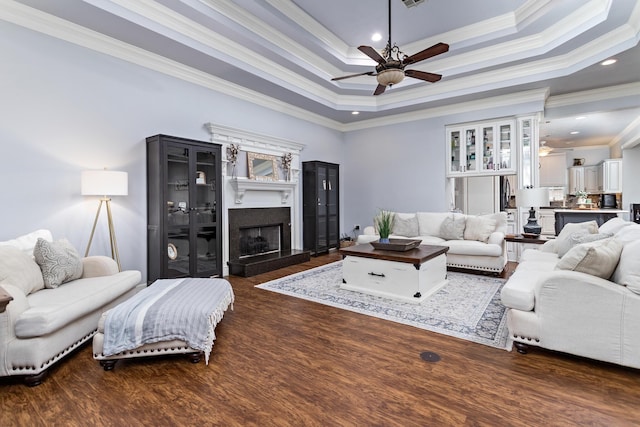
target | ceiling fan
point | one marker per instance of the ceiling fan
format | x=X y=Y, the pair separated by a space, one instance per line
x=390 y=69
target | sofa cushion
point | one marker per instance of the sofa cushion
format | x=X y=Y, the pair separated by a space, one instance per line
x=17 y=268
x=613 y=225
x=472 y=247
x=628 y=234
x=452 y=228
x=598 y=258
x=479 y=227
x=406 y=226
x=27 y=242
x=59 y=262
x=430 y=222
x=52 y=309
x=573 y=227
x=583 y=236
x=627 y=273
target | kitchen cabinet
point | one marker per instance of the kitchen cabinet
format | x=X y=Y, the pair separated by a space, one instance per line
x=184 y=222
x=528 y=147
x=591 y=179
x=553 y=170
x=576 y=179
x=610 y=176
x=547 y=220
x=321 y=208
x=484 y=148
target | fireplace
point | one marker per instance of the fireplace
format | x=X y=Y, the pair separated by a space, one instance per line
x=260 y=241
x=263 y=239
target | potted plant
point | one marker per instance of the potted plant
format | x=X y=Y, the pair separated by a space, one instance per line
x=384 y=224
x=582 y=197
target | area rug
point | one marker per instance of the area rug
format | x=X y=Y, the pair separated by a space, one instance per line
x=467 y=307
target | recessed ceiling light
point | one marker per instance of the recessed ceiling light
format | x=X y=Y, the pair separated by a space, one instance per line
x=355 y=113
x=574 y=132
x=581 y=117
x=609 y=61
x=376 y=37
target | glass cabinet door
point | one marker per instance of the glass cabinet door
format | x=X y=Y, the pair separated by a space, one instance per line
x=205 y=212
x=178 y=218
x=332 y=206
x=505 y=150
x=526 y=175
x=470 y=151
x=488 y=145
x=455 y=163
x=322 y=229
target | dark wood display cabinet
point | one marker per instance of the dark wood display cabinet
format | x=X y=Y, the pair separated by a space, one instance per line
x=184 y=222
x=321 y=206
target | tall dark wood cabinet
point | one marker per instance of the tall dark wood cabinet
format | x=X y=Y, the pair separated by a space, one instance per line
x=184 y=222
x=321 y=206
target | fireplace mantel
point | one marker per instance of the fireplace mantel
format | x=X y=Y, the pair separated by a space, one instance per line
x=242 y=185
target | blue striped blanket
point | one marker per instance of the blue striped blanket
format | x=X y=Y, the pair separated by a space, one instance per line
x=185 y=309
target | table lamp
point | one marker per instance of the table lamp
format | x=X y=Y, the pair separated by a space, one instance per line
x=532 y=198
x=105 y=183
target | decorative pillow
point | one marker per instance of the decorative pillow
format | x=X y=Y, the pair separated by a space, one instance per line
x=627 y=273
x=613 y=225
x=430 y=222
x=590 y=226
x=452 y=227
x=59 y=262
x=563 y=246
x=407 y=227
x=20 y=270
x=598 y=258
x=27 y=242
x=479 y=227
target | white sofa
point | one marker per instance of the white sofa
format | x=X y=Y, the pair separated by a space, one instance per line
x=40 y=325
x=475 y=242
x=580 y=293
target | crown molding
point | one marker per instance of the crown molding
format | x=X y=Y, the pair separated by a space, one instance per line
x=594 y=95
x=535 y=95
x=629 y=137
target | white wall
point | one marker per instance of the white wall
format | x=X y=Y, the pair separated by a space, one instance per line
x=65 y=109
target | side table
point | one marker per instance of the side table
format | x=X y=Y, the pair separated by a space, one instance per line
x=518 y=238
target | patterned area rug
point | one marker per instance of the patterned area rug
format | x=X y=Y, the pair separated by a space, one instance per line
x=467 y=307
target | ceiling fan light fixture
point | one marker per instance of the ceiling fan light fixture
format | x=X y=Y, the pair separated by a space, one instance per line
x=390 y=77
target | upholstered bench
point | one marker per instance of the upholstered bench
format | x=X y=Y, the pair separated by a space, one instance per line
x=171 y=316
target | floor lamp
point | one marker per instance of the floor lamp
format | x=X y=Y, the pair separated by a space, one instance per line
x=105 y=183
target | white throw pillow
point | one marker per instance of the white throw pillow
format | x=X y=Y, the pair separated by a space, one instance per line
x=20 y=270
x=573 y=227
x=405 y=226
x=430 y=222
x=479 y=227
x=27 y=242
x=452 y=227
x=59 y=262
x=614 y=225
x=583 y=236
x=627 y=273
x=598 y=258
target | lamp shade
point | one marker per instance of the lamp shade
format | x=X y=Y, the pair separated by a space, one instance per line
x=104 y=183
x=532 y=197
x=390 y=76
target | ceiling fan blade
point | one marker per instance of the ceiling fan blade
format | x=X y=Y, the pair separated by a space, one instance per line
x=423 y=75
x=372 y=53
x=434 y=50
x=368 y=73
x=380 y=89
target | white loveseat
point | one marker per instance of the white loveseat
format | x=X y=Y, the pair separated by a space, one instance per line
x=40 y=325
x=475 y=242
x=580 y=293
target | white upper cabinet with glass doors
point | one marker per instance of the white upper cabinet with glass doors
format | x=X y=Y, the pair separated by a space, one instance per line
x=485 y=148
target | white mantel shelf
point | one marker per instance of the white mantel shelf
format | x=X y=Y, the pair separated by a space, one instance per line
x=241 y=185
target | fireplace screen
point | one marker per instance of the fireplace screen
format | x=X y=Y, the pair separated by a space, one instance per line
x=259 y=240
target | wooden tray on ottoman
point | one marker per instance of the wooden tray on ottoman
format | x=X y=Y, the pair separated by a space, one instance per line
x=399 y=245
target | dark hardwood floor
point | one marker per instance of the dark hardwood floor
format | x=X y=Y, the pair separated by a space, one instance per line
x=283 y=361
